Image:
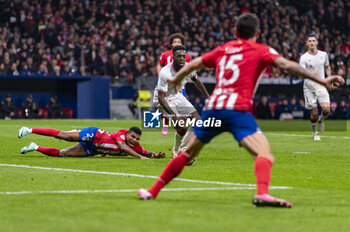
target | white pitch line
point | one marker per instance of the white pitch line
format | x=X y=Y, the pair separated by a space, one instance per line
x=127 y=190
x=128 y=174
x=296 y=135
x=301 y=152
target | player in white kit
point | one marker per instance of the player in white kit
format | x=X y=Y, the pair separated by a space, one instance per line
x=316 y=61
x=171 y=102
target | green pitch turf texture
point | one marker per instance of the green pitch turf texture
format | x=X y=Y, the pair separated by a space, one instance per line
x=317 y=171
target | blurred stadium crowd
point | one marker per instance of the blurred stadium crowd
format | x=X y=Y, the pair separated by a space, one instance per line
x=124 y=38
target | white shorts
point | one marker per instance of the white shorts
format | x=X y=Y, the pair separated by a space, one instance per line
x=312 y=97
x=179 y=104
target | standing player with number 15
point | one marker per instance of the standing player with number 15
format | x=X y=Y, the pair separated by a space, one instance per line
x=239 y=64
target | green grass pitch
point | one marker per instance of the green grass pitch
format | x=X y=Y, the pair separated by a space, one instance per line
x=317 y=171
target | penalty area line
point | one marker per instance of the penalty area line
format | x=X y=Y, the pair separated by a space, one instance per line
x=297 y=135
x=128 y=190
x=129 y=175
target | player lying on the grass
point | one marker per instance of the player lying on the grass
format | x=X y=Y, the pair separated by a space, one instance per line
x=172 y=103
x=238 y=64
x=92 y=141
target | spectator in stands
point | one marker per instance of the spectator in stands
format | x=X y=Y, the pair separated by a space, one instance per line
x=66 y=70
x=296 y=110
x=341 y=110
x=283 y=110
x=81 y=71
x=2 y=69
x=95 y=30
x=124 y=71
x=56 y=71
x=14 y=70
x=8 y=109
x=42 y=70
x=113 y=66
x=198 y=104
x=7 y=62
x=306 y=111
x=31 y=66
x=29 y=108
x=54 y=108
x=263 y=110
x=25 y=70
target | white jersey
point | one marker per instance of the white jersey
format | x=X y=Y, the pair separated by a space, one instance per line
x=314 y=63
x=163 y=86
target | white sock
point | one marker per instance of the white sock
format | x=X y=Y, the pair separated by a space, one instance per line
x=314 y=128
x=177 y=142
x=36 y=147
x=186 y=138
x=30 y=130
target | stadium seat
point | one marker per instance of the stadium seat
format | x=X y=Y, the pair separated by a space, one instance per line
x=69 y=112
x=19 y=112
x=43 y=112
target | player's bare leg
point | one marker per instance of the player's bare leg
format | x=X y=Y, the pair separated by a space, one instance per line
x=324 y=114
x=173 y=168
x=313 y=121
x=65 y=135
x=179 y=134
x=259 y=147
x=74 y=151
x=195 y=115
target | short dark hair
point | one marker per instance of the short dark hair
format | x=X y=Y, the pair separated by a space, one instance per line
x=176 y=36
x=178 y=47
x=135 y=130
x=247 y=25
x=311 y=35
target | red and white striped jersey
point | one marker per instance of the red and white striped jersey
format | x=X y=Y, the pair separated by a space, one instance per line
x=167 y=57
x=239 y=64
x=106 y=143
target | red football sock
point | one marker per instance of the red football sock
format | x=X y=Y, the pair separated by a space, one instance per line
x=45 y=131
x=172 y=170
x=166 y=122
x=49 y=151
x=263 y=173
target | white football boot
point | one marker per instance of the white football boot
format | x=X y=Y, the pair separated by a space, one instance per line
x=31 y=147
x=316 y=137
x=24 y=131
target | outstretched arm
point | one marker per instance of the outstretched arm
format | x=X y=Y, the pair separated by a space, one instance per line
x=199 y=85
x=331 y=83
x=125 y=148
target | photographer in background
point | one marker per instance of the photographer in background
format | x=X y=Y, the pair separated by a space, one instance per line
x=8 y=109
x=54 y=108
x=29 y=108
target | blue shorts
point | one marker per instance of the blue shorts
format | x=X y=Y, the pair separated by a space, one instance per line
x=86 y=138
x=238 y=123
